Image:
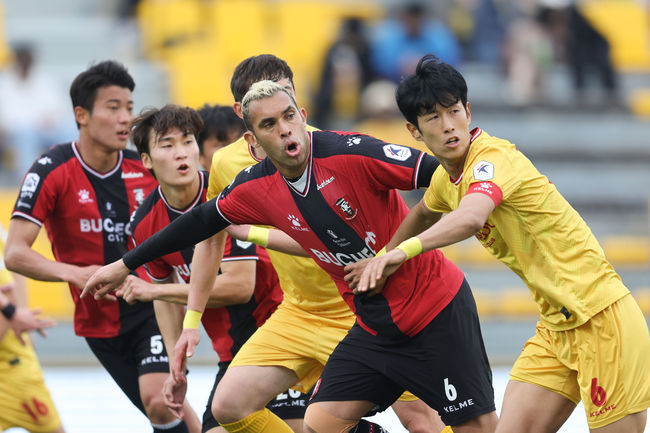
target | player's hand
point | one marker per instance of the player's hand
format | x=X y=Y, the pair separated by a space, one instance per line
x=239 y=231
x=28 y=320
x=184 y=349
x=377 y=270
x=105 y=280
x=353 y=276
x=136 y=289
x=79 y=275
x=174 y=395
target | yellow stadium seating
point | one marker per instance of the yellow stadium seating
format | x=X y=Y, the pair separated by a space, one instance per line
x=626 y=25
x=5 y=51
x=165 y=23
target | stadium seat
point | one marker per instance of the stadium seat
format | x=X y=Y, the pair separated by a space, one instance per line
x=5 y=51
x=165 y=23
x=626 y=25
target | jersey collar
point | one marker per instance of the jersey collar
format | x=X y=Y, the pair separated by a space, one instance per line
x=92 y=170
x=196 y=200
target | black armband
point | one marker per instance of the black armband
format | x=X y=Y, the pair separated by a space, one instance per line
x=185 y=231
x=9 y=310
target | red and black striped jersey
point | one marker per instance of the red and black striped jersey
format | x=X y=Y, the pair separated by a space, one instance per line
x=86 y=215
x=348 y=210
x=228 y=327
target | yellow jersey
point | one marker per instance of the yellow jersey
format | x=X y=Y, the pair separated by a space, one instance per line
x=533 y=230
x=303 y=282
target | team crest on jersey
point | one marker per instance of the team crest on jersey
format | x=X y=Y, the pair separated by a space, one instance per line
x=484 y=171
x=345 y=209
x=29 y=185
x=399 y=153
x=84 y=196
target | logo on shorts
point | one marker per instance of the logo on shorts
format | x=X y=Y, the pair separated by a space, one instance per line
x=598 y=394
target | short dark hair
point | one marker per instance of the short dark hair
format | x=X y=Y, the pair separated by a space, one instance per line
x=83 y=89
x=257 y=68
x=161 y=120
x=218 y=121
x=433 y=83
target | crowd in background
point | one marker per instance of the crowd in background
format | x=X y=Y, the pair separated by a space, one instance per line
x=519 y=40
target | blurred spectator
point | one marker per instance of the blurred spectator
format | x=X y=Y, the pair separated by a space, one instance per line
x=33 y=112
x=581 y=46
x=490 y=18
x=398 y=44
x=346 y=72
x=527 y=53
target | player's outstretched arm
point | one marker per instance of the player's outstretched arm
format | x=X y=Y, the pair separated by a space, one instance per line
x=22 y=319
x=272 y=239
x=205 y=266
x=106 y=279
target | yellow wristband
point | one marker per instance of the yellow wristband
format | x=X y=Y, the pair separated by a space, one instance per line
x=258 y=236
x=192 y=319
x=411 y=247
x=381 y=252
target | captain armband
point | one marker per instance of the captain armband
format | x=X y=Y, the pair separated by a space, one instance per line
x=192 y=319
x=258 y=236
x=411 y=247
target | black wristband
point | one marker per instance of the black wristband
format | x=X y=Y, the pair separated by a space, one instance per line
x=9 y=310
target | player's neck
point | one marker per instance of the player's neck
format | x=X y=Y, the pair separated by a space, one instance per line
x=180 y=197
x=99 y=158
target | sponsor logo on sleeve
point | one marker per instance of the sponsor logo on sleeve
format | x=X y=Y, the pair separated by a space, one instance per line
x=399 y=153
x=484 y=171
x=45 y=160
x=353 y=140
x=29 y=185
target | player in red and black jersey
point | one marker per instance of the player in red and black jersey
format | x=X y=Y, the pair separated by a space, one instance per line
x=335 y=195
x=84 y=193
x=245 y=292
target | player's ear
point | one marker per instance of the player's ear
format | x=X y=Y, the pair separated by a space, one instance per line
x=303 y=113
x=469 y=114
x=146 y=161
x=415 y=132
x=250 y=139
x=81 y=115
x=237 y=108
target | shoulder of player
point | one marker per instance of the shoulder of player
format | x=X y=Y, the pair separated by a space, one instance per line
x=53 y=158
x=343 y=142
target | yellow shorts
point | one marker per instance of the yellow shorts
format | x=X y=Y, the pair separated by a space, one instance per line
x=298 y=340
x=605 y=363
x=24 y=399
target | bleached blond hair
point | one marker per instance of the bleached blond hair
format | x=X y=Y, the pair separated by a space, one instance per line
x=260 y=90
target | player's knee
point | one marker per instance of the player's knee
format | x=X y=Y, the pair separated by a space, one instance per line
x=317 y=420
x=154 y=406
x=228 y=410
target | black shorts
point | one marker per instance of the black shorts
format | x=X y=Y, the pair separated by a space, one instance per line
x=130 y=355
x=445 y=365
x=287 y=405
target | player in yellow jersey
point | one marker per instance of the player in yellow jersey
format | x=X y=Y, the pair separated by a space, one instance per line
x=25 y=401
x=592 y=343
x=292 y=347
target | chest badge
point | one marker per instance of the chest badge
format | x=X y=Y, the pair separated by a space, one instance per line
x=345 y=208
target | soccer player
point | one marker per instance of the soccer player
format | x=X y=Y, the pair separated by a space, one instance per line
x=310 y=296
x=336 y=195
x=221 y=126
x=85 y=192
x=25 y=401
x=245 y=292
x=591 y=343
